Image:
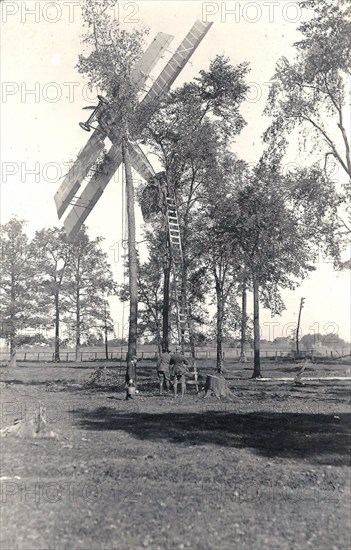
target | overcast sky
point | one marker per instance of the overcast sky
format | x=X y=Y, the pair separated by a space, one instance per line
x=42 y=96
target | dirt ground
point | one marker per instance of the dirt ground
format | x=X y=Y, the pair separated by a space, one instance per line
x=267 y=470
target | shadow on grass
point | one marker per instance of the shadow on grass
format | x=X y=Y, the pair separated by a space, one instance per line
x=320 y=438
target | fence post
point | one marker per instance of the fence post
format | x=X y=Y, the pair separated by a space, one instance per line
x=38 y=357
x=276 y=355
x=81 y=356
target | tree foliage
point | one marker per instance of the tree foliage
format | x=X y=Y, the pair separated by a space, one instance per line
x=88 y=282
x=21 y=304
x=53 y=254
x=311 y=93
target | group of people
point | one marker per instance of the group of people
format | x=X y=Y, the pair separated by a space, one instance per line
x=172 y=369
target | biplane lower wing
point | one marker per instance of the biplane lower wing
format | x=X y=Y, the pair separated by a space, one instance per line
x=91 y=151
x=95 y=187
x=91 y=194
x=78 y=171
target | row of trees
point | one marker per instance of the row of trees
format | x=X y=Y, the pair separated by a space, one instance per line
x=255 y=228
x=46 y=281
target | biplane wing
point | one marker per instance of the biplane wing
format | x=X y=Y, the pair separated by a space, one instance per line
x=161 y=85
x=86 y=202
x=140 y=162
x=90 y=152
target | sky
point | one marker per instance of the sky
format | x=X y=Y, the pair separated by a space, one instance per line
x=42 y=96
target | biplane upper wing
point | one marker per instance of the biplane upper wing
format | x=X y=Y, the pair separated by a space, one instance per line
x=162 y=84
x=178 y=61
x=90 y=152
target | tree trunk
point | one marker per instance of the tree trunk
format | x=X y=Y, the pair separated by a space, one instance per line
x=13 y=348
x=106 y=331
x=57 y=329
x=216 y=385
x=191 y=337
x=132 y=256
x=13 y=342
x=243 y=323
x=219 y=335
x=165 y=307
x=106 y=342
x=257 y=336
x=77 y=325
x=183 y=303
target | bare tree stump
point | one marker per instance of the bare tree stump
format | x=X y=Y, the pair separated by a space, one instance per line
x=216 y=385
x=36 y=427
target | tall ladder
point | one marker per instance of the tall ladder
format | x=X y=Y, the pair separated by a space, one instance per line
x=182 y=310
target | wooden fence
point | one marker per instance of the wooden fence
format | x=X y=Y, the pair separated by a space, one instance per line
x=234 y=353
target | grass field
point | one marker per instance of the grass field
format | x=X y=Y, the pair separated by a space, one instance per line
x=267 y=470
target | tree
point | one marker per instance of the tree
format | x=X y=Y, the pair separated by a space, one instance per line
x=20 y=305
x=114 y=53
x=310 y=93
x=88 y=281
x=270 y=220
x=329 y=340
x=53 y=253
x=186 y=133
x=214 y=248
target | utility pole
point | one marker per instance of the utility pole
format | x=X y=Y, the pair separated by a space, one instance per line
x=302 y=301
x=106 y=331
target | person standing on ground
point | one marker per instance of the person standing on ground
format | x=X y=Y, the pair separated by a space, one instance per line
x=131 y=377
x=179 y=368
x=163 y=373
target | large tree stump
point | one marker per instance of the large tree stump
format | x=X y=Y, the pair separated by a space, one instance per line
x=216 y=385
